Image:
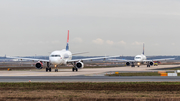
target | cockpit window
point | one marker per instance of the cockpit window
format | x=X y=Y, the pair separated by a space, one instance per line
x=55 y=55
x=138 y=57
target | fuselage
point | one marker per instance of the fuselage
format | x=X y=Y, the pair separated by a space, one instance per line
x=140 y=58
x=60 y=57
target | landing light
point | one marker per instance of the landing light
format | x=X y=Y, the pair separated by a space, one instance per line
x=138 y=63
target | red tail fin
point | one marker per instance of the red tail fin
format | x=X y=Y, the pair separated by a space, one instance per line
x=68 y=37
x=67 y=46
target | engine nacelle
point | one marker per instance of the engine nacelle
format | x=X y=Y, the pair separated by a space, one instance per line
x=39 y=65
x=127 y=63
x=79 y=65
x=151 y=63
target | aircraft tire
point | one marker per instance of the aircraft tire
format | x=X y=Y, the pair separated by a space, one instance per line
x=73 y=69
x=76 y=69
x=49 y=69
x=56 y=70
x=46 y=69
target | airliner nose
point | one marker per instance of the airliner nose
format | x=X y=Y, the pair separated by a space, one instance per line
x=55 y=61
x=138 y=60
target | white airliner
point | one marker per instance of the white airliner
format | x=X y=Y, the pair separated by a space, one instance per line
x=62 y=57
x=141 y=59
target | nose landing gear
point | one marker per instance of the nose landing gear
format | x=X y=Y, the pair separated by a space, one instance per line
x=56 y=70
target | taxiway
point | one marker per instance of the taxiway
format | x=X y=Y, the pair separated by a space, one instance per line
x=86 y=75
x=84 y=72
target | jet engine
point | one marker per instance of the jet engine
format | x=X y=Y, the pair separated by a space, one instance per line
x=79 y=65
x=39 y=65
x=151 y=63
x=127 y=63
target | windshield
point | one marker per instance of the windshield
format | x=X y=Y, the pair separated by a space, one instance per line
x=55 y=55
x=138 y=57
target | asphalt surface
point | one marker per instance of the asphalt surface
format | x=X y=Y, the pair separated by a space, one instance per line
x=89 y=79
x=86 y=75
x=85 y=71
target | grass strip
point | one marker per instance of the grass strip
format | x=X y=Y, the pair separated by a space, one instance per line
x=113 y=86
x=108 y=91
x=135 y=74
x=139 y=74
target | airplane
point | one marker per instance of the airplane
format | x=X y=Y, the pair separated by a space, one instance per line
x=61 y=57
x=141 y=59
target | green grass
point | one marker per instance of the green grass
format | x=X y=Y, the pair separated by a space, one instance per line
x=139 y=74
x=73 y=85
x=107 y=91
x=135 y=74
x=112 y=86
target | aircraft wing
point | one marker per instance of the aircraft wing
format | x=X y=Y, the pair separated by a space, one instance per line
x=76 y=60
x=79 y=53
x=33 y=59
x=165 y=59
x=123 y=60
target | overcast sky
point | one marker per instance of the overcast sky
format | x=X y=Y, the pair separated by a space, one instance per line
x=101 y=27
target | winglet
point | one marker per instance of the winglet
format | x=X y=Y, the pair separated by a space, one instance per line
x=143 y=49
x=67 y=46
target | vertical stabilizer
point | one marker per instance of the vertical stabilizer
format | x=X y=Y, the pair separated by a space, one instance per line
x=67 y=46
x=143 y=49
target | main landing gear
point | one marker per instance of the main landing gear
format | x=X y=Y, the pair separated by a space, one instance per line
x=48 y=68
x=148 y=66
x=74 y=68
x=132 y=64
